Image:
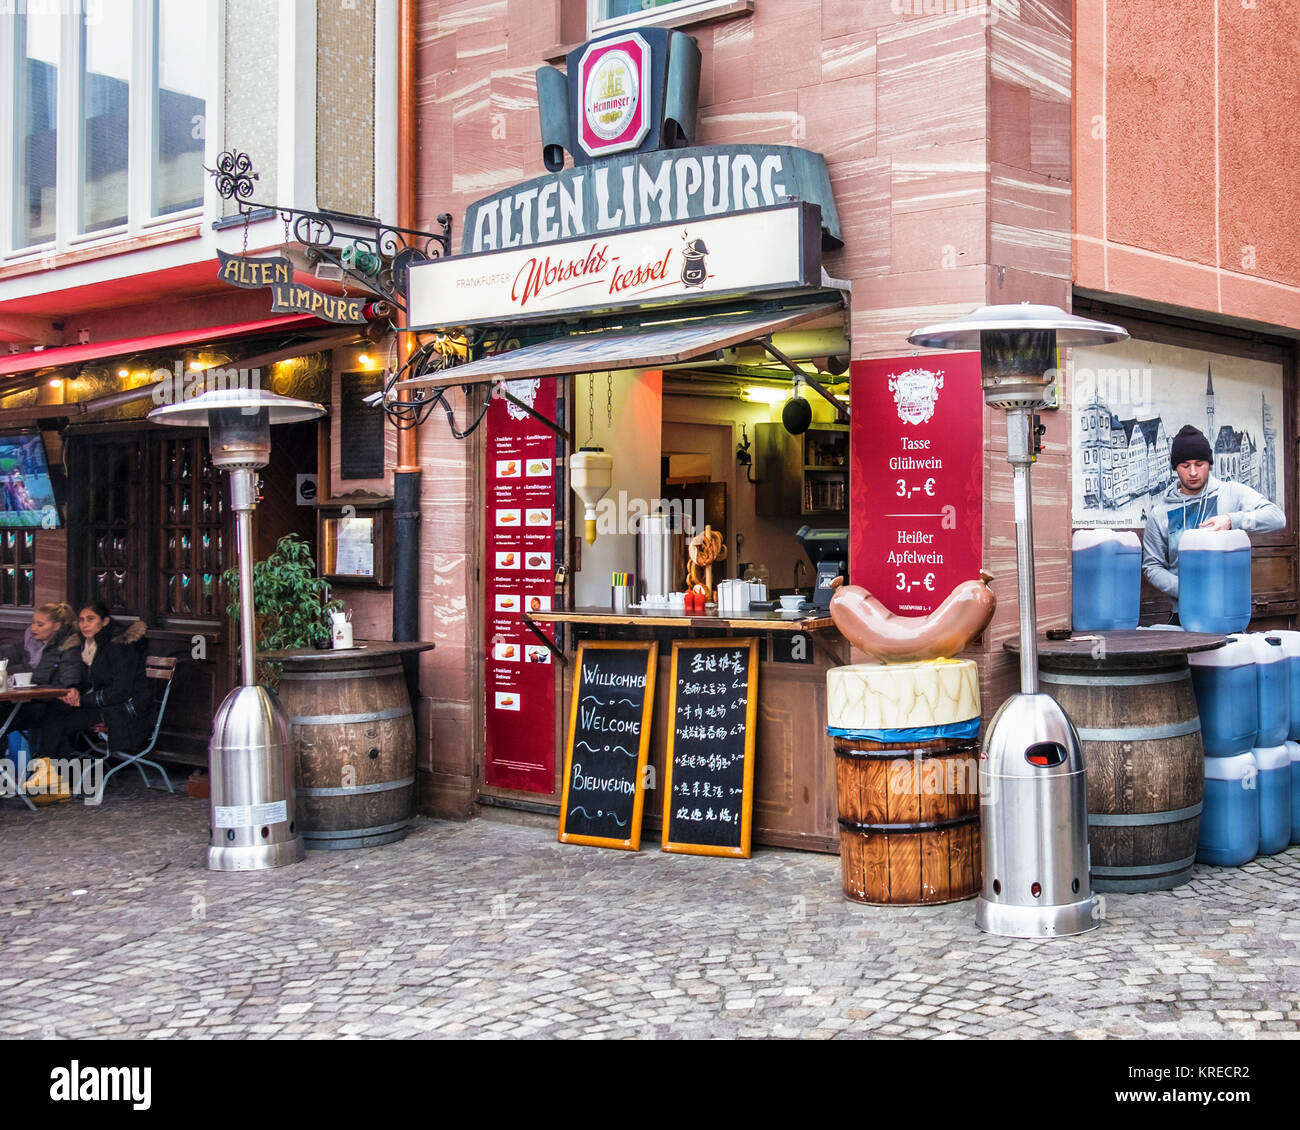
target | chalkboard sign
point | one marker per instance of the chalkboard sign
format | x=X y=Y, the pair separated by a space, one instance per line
x=609 y=741
x=361 y=428
x=709 y=792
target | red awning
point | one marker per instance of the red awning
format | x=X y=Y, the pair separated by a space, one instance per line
x=125 y=347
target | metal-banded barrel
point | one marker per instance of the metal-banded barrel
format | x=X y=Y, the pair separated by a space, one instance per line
x=354 y=749
x=1141 y=737
x=909 y=820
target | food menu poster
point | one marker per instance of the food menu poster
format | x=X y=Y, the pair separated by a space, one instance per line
x=520 y=575
x=916 y=451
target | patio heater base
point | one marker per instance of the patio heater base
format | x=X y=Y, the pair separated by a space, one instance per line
x=251 y=770
x=1037 y=921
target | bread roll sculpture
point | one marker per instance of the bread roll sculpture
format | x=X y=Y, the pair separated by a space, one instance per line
x=871 y=627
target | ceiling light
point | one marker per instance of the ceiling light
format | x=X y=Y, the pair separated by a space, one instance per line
x=764 y=394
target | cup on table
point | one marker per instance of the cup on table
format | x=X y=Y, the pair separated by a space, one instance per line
x=22 y=679
x=620 y=597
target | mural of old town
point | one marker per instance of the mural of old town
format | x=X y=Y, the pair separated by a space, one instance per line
x=1129 y=402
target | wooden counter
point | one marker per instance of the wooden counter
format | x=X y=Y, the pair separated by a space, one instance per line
x=669 y=618
x=794 y=767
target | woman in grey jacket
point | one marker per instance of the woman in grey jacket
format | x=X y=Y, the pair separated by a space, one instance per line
x=1197 y=500
x=60 y=662
x=59 y=665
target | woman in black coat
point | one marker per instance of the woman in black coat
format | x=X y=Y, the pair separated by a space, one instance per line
x=114 y=691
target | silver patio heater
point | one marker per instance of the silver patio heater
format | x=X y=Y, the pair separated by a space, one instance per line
x=250 y=761
x=1034 y=801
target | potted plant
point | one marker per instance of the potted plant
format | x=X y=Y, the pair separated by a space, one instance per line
x=290 y=601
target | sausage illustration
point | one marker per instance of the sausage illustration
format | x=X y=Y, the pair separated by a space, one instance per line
x=871 y=627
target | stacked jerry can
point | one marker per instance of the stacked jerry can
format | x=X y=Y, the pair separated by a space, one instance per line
x=1250 y=724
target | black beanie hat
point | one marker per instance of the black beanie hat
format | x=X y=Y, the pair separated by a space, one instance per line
x=1190 y=443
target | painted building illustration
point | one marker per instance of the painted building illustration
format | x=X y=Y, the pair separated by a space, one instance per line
x=1125 y=458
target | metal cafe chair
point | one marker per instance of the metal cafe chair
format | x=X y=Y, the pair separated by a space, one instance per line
x=158 y=669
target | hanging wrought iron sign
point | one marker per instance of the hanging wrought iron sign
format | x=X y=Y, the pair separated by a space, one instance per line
x=294 y=298
x=253 y=273
x=373 y=253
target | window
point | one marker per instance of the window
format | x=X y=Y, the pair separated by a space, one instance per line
x=104 y=117
x=610 y=15
x=17 y=568
x=179 y=82
x=35 y=85
x=147 y=526
x=129 y=82
x=190 y=510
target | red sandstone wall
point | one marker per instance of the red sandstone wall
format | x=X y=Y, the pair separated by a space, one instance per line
x=1184 y=148
x=947 y=138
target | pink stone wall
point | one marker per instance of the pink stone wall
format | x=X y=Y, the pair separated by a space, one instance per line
x=1183 y=142
x=948 y=142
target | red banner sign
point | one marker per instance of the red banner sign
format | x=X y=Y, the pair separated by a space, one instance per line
x=520 y=576
x=916 y=474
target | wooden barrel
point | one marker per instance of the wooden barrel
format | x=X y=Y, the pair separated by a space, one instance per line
x=909 y=820
x=354 y=747
x=1141 y=737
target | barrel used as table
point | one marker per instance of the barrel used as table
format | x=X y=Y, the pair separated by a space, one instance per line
x=907 y=780
x=353 y=737
x=1130 y=697
x=909 y=820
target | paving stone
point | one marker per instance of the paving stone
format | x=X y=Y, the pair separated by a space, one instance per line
x=411 y=940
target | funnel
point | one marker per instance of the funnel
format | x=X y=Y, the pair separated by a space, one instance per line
x=591 y=471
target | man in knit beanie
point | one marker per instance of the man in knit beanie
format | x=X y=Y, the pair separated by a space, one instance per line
x=1196 y=499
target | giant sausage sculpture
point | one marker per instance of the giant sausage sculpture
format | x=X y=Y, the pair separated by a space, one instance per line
x=871 y=627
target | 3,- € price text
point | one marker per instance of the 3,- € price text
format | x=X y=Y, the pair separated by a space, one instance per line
x=905 y=491
x=904 y=585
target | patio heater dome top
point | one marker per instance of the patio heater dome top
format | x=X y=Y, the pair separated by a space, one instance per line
x=194 y=411
x=238 y=421
x=1015 y=318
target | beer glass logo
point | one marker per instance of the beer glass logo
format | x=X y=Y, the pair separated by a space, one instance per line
x=916 y=392
x=613 y=92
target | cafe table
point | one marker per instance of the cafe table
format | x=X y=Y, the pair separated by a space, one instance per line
x=14 y=697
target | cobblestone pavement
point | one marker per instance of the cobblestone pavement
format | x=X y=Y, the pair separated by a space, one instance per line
x=112 y=927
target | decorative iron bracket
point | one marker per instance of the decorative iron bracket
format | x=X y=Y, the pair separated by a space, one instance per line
x=375 y=254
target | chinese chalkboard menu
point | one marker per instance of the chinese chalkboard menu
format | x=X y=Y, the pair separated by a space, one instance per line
x=709 y=792
x=609 y=741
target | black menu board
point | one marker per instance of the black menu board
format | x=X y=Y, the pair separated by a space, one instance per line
x=609 y=742
x=709 y=793
x=361 y=428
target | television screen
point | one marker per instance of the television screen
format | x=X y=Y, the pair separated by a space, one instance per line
x=26 y=493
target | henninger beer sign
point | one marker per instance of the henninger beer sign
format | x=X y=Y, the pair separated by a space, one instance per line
x=614 y=80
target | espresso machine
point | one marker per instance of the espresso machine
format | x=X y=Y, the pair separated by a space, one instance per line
x=828 y=550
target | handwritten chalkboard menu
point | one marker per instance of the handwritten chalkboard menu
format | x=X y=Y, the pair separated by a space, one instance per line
x=609 y=740
x=361 y=427
x=709 y=792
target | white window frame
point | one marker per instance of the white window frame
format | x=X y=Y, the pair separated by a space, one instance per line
x=677 y=14
x=140 y=218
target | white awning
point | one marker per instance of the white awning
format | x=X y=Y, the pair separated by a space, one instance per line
x=649 y=348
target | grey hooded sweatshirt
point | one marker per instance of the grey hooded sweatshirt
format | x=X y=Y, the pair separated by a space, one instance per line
x=1176 y=512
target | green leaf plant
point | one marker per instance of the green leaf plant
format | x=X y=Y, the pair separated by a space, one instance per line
x=289 y=602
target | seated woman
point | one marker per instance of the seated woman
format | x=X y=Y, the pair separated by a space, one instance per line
x=113 y=692
x=59 y=661
x=58 y=664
